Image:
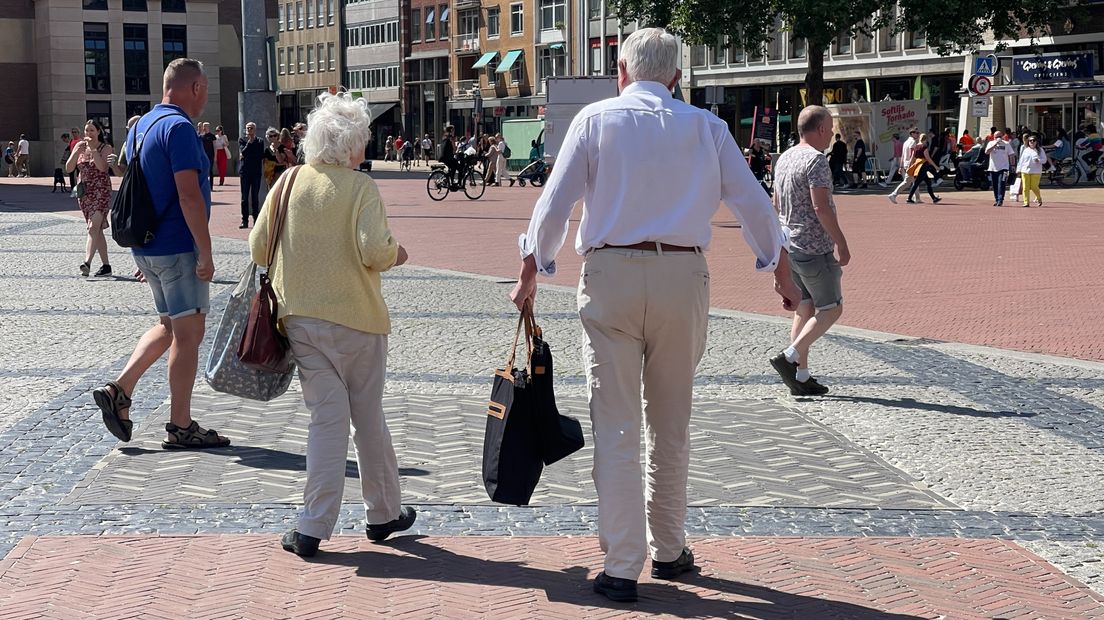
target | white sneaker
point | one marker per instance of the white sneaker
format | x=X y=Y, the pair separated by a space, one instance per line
x=892 y=198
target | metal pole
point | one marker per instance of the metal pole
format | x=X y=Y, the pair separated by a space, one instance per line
x=257 y=101
x=602 y=18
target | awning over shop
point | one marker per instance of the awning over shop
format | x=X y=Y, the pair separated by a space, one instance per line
x=377 y=110
x=484 y=60
x=509 y=60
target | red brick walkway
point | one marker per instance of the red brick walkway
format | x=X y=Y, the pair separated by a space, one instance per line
x=960 y=271
x=477 y=577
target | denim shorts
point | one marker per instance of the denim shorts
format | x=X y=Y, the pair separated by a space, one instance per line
x=177 y=290
x=819 y=277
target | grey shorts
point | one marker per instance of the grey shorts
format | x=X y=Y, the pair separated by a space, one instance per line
x=177 y=290
x=819 y=277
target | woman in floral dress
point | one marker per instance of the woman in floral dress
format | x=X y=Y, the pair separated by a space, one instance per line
x=89 y=157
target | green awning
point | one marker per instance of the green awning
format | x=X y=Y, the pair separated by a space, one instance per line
x=484 y=60
x=556 y=46
x=508 y=61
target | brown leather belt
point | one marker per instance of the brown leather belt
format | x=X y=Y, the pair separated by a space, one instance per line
x=651 y=245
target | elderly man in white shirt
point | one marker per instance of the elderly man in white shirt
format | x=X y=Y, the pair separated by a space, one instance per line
x=908 y=149
x=644 y=291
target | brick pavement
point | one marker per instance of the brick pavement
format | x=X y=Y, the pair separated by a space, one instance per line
x=482 y=577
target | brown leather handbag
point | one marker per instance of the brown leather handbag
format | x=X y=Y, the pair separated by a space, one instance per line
x=262 y=346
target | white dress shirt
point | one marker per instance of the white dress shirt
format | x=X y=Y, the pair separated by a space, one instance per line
x=649 y=168
x=908 y=149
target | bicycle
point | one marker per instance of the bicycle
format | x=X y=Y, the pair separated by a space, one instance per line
x=439 y=185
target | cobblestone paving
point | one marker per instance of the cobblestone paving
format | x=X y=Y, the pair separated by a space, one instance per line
x=1013 y=441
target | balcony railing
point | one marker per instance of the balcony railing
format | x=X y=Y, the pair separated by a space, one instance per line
x=466 y=43
x=465 y=89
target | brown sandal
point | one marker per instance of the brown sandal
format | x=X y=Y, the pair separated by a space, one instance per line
x=193 y=438
x=110 y=405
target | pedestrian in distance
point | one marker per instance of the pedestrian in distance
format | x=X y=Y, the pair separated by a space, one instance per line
x=9 y=159
x=23 y=156
x=251 y=152
x=924 y=168
x=837 y=161
x=177 y=264
x=327 y=278
x=209 y=140
x=502 y=172
x=858 y=162
x=966 y=142
x=298 y=134
x=276 y=156
x=222 y=154
x=427 y=148
x=61 y=156
x=1000 y=155
x=895 y=165
x=93 y=191
x=1030 y=166
x=908 y=150
x=642 y=238
x=388 y=148
x=759 y=161
x=803 y=197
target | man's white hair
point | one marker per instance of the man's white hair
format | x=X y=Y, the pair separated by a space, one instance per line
x=337 y=130
x=651 y=55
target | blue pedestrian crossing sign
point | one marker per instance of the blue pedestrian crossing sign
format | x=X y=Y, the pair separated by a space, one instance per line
x=986 y=65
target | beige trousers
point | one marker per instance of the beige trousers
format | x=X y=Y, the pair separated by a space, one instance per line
x=644 y=315
x=342 y=372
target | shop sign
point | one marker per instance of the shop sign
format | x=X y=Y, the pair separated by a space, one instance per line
x=500 y=111
x=979 y=107
x=1052 y=67
x=766 y=122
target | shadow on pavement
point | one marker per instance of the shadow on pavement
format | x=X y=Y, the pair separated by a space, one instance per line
x=430 y=563
x=909 y=403
x=267 y=458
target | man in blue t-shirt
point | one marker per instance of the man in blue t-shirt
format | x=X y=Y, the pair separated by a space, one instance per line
x=177 y=263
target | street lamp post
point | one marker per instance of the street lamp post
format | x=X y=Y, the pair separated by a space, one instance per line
x=257 y=101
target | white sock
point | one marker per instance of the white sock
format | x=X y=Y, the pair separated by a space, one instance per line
x=791 y=354
x=803 y=374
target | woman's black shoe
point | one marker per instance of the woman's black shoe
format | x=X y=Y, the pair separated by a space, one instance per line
x=104 y=271
x=244 y=224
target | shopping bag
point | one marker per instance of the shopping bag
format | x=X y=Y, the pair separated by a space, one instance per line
x=512 y=460
x=560 y=435
x=224 y=372
x=1016 y=188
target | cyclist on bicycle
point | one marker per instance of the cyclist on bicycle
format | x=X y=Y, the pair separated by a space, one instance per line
x=1092 y=145
x=448 y=154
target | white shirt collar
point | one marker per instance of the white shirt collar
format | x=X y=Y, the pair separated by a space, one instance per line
x=654 y=88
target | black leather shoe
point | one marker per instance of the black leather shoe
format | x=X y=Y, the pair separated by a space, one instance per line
x=407 y=516
x=811 y=388
x=104 y=270
x=787 y=370
x=300 y=544
x=620 y=590
x=244 y=224
x=670 y=570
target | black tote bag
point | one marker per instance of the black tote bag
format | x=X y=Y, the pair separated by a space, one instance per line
x=559 y=435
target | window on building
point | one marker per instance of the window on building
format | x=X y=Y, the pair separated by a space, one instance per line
x=97 y=66
x=134 y=5
x=300 y=58
x=330 y=11
x=280 y=60
x=321 y=14
x=415 y=25
x=136 y=58
x=697 y=56
x=290 y=17
x=887 y=39
x=321 y=54
x=735 y=53
x=797 y=46
x=174 y=42
x=719 y=51
x=917 y=39
x=842 y=45
x=310 y=59
x=553 y=61
x=864 y=43
x=594 y=9
x=299 y=14
x=517 y=19
x=430 y=32
x=517 y=73
x=444 y=21
x=99 y=111
x=95 y=5
x=493 y=23
x=552 y=14
x=280 y=18
x=310 y=13
x=330 y=56
x=173 y=6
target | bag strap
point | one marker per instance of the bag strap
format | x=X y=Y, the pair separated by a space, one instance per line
x=526 y=320
x=134 y=134
x=279 y=214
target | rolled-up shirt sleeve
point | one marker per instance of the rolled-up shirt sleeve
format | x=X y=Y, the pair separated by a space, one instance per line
x=566 y=185
x=746 y=200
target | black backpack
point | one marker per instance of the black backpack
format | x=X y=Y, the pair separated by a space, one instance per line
x=506 y=152
x=134 y=219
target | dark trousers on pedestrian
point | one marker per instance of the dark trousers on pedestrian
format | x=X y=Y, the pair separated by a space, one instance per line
x=997 y=179
x=922 y=176
x=838 y=175
x=251 y=196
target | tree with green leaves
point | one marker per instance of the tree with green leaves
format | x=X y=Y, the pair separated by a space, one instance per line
x=951 y=26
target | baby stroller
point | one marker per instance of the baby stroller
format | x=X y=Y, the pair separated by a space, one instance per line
x=536 y=173
x=407 y=156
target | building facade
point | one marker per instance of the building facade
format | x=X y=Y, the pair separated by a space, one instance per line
x=373 y=63
x=71 y=60
x=308 y=52
x=425 y=52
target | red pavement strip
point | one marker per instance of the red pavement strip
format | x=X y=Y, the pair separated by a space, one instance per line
x=960 y=271
x=249 y=576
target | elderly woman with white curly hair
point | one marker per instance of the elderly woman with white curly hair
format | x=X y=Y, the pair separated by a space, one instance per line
x=334 y=244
